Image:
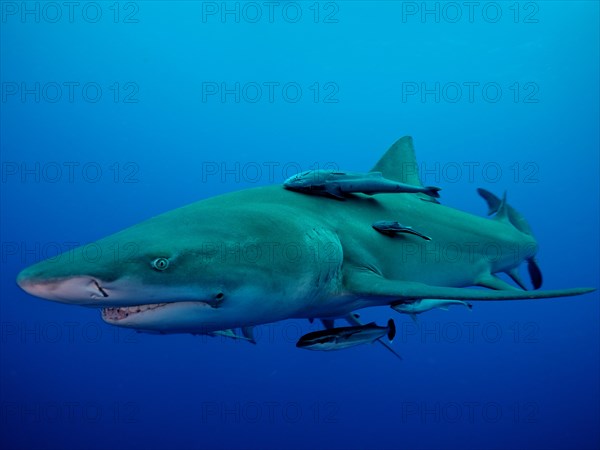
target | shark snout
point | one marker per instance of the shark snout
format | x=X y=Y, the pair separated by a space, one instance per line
x=83 y=289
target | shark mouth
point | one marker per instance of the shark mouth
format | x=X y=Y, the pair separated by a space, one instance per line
x=121 y=313
x=115 y=314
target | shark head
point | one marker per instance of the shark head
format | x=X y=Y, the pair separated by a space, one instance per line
x=189 y=269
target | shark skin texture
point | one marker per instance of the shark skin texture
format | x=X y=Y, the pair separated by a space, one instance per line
x=267 y=254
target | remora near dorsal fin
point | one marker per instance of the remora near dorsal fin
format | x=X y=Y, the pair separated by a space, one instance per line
x=399 y=163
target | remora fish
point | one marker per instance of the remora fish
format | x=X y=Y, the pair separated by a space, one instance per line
x=420 y=306
x=391 y=228
x=345 y=337
x=339 y=184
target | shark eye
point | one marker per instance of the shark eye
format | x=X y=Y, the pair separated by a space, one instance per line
x=160 y=264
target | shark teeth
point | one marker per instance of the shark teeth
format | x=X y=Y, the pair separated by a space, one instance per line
x=125 y=311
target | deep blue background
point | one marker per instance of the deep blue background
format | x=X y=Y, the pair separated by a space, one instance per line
x=99 y=387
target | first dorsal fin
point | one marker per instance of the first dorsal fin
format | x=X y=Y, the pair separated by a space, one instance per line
x=399 y=163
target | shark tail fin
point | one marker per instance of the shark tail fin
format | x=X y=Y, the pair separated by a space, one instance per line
x=391 y=330
x=505 y=212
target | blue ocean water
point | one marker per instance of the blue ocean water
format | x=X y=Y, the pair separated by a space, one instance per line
x=113 y=112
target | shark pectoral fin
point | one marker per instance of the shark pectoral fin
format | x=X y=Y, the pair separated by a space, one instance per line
x=493 y=282
x=534 y=273
x=470 y=306
x=368 y=284
x=248 y=333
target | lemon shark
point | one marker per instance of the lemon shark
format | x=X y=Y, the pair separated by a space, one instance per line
x=267 y=254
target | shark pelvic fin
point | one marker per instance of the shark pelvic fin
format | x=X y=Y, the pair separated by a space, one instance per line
x=493 y=282
x=514 y=275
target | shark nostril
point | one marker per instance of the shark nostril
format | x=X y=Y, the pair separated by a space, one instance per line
x=102 y=291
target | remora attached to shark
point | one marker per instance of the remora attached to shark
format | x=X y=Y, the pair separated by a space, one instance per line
x=341 y=184
x=267 y=254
